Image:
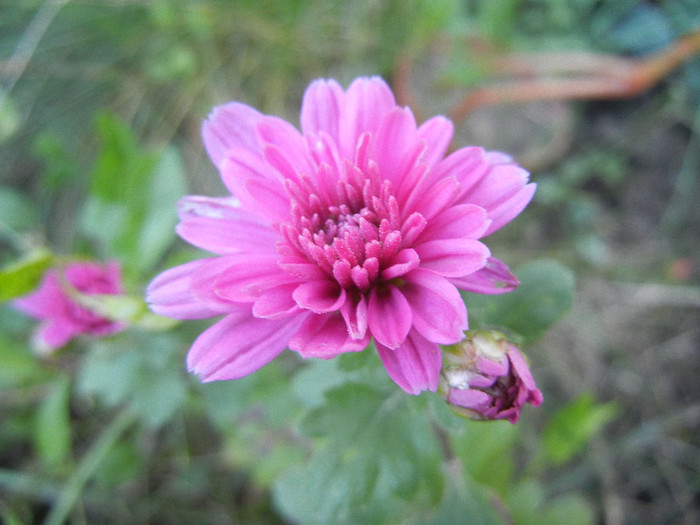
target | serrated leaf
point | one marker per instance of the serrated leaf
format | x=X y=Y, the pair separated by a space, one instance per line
x=22 y=276
x=144 y=373
x=573 y=426
x=52 y=434
x=545 y=293
x=374 y=445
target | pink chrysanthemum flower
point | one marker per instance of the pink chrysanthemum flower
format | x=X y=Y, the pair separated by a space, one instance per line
x=358 y=227
x=62 y=317
x=485 y=377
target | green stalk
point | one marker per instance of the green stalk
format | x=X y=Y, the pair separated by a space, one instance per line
x=87 y=467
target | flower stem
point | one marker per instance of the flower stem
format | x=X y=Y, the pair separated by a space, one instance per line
x=87 y=467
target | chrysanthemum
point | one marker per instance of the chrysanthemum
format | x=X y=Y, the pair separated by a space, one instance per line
x=62 y=317
x=357 y=227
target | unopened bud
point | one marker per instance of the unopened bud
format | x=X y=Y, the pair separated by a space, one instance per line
x=485 y=377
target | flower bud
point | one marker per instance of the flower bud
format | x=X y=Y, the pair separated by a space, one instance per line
x=485 y=377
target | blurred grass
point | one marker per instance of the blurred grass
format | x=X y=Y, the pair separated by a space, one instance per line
x=615 y=203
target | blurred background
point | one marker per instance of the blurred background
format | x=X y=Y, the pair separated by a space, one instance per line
x=96 y=93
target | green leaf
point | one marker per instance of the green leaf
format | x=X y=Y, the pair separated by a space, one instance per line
x=21 y=277
x=123 y=168
x=131 y=210
x=545 y=293
x=573 y=426
x=464 y=502
x=144 y=373
x=373 y=447
x=486 y=452
x=124 y=308
x=52 y=434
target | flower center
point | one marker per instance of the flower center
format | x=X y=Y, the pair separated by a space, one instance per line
x=350 y=229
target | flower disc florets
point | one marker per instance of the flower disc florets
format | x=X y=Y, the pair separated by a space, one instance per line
x=356 y=228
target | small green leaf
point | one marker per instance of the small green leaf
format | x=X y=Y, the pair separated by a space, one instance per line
x=573 y=426
x=52 y=434
x=545 y=293
x=21 y=277
x=124 y=308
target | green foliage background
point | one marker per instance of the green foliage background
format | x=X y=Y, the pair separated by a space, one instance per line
x=101 y=104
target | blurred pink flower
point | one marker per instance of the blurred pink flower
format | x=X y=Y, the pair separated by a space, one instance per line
x=63 y=318
x=486 y=377
x=358 y=227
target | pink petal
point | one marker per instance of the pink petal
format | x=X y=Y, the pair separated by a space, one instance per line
x=396 y=147
x=230 y=126
x=438 y=311
x=522 y=371
x=44 y=302
x=453 y=257
x=437 y=134
x=279 y=135
x=171 y=294
x=462 y=221
x=242 y=166
x=415 y=365
x=467 y=165
x=388 y=315
x=501 y=214
x=470 y=399
x=501 y=191
x=366 y=102
x=355 y=314
x=241 y=277
x=494 y=278
x=320 y=296
x=56 y=333
x=219 y=226
x=276 y=303
x=431 y=201
x=270 y=198
x=403 y=262
x=320 y=109
x=239 y=344
x=325 y=336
